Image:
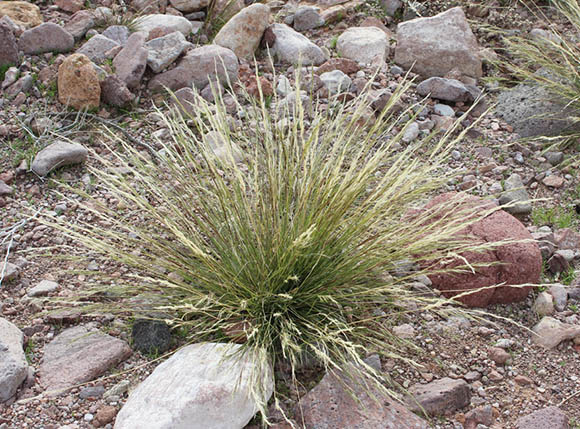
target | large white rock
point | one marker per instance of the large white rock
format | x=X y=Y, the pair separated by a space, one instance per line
x=13 y=365
x=363 y=44
x=293 y=47
x=243 y=32
x=175 y=23
x=199 y=387
x=189 y=5
x=436 y=45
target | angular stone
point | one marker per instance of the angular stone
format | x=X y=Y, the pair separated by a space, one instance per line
x=171 y=22
x=445 y=89
x=9 y=271
x=363 y=44
x=550 y=332
x=203 y=386
x=479 y=416
x=329 y=405
x=307 y=18
x=79 y=354
x=8 y=47
x=151 y=336
x=96 y=48
x=47 y=37
x=242 y=33
x=57 y=155
x=560 y=295
x=78 y=83
x=544 y=304
x=336 y=82
x=131 y=62
x=198 y=67
x=225 y=9
x=23 y=13
x=440 y=397
x=343 y=64
x=22 y=85
x=516 y=195
x=436 y=45
x=71 y=6
x=114 y=92
x=188 y=6
x=162 y=51
x=118 y=33
x=13 y=364
x=80 y=23
x=222 y=149
x=549 y=417
x=291 y=47
x=567 y=238
x=43 y=288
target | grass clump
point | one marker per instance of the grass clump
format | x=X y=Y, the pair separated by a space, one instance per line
x=283 y=235
x=557 y=217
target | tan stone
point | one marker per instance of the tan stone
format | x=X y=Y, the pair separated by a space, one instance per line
x=22 y=13
x=78 y=83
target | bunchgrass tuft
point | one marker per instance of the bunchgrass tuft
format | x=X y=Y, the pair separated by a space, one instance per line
x=292 y=238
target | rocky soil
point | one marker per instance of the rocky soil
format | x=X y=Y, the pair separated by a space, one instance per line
x=112 y=61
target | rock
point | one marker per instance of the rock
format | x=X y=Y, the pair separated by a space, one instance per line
x=5 y=189
x=515 y=196
x=184 y=99
x=440 y=397
x=292 y=47
x=331 y=405
x=25 y=14
x=45 y=287
x=78 y=83
x=405 y=331
x=115 y=93
x=13 y=364
x=198 y=67
x=519 y=262
x=57 y=155
x=544 y=304
x=188 y=6
x=560 y=295
x=554 y=158
x=242 y=33
x=522 y=380
x=162 y=51
x=96 y=48
x=411 y=133
x=224 y=150
x=481 y=415
x=79 y=354
x=254 y=85
x=47 y=37
x=336 y=82
x=549 y=417
x=22 y=85
x=553 y=181
x=71 y=6
x=436 y=45
x=92 y=392
x=445 y=89
x=170 y=22
x=226 y=9
x=550 y=332
x=498 y=355
x=117 y=33
x=8 y=271
x=307 y=18
x=203 y=387
x=131 y=61
x=444 y=110
x=151 y=336
x=79 y=24
x=532 y=111
x=343 y=64
x=567 y=238
x=391 y=6
x=363 y=45
x=558 y=263
x=8 y=47
x=105 y=414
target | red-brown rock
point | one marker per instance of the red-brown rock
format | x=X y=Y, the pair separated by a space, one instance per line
x=345 y=65
x=550 y=417
x=515 y=263
x=253 y=90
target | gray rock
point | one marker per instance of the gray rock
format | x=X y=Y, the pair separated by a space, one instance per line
x=515 y=193
x=13 y=365
x=445 y=89
x=172 y=22
x=162 y=51
x=224 y=150
x=57 y=155
x=560 y=295
x=43 y=288
x=363 y=44
x=21 y=85
x=79 y=354
x=307 y=18
x=550 y=332
x=151 y=336
x=131 y=61
x=8 y=271
x=554 y=158
x=436 y=45
x=118 y=33
x=47 y=37
x=204 y=387
x=96 y=48
x=439 y=397
x=532 y=111
x=284 y=87
x=405 y=331
x=444 y=110
x=5 y=189
x=294 y=48
x=198 y=67
x=336 y=81
x=550 y=417
x=544 y=304
x=92 y=392
x=10 y=77
x=243 y=32
x=391 y=6
x=188 y=6
x=8 y=46
x=80 y=23
x=115 y=92
x=411 y=133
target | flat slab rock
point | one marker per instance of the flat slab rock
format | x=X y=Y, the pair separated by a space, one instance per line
x=329 y=405
x=550 y=417
x=80 y=354
x=440 y=397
